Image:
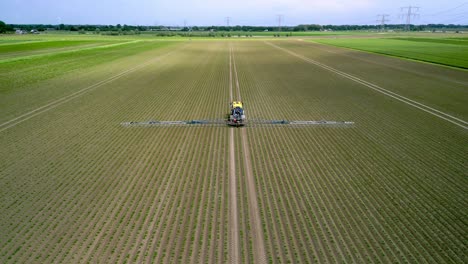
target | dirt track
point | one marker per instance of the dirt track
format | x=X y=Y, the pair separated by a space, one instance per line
x=234 y=225
x=255 y=221
x=259 y=244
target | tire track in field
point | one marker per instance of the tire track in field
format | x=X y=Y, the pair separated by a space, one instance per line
x=234 y=225
x=20 y=119
x=442 y=115
x=257 y=231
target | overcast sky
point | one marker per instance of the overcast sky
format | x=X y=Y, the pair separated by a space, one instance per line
x=214 y=12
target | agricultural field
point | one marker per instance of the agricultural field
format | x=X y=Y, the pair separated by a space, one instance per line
x=451 y=51
x=77 y=186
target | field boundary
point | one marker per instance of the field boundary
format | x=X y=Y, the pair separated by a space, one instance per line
x=19 y=119
x=447 y=117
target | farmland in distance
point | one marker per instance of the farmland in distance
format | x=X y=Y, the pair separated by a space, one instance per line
x=78 y=187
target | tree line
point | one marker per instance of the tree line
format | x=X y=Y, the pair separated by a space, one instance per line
x=303 y=27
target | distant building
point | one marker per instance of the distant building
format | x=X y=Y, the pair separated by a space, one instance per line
x=175 y=28
x=19 y=31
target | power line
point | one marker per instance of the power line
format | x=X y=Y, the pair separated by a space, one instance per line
x=455 y=18
x=458 y=19
x=410 y=14
x=449 y=10
x=382 y=20
x=228 y=19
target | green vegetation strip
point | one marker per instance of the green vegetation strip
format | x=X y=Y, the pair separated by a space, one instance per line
x=449 y=52
x=454 y=41
x=18 y=41
x=68 y=51
x=18 y=47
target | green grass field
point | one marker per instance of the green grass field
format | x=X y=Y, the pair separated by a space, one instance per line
x=446 y=51
x=77 y=186
x=31 y=46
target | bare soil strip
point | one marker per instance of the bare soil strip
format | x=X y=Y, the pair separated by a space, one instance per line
x=257 y=231
x=234 y=225
x=17 y=120
x=454 y=120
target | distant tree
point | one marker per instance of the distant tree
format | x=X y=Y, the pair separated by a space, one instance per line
x=3 y=27
x=119 y=26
